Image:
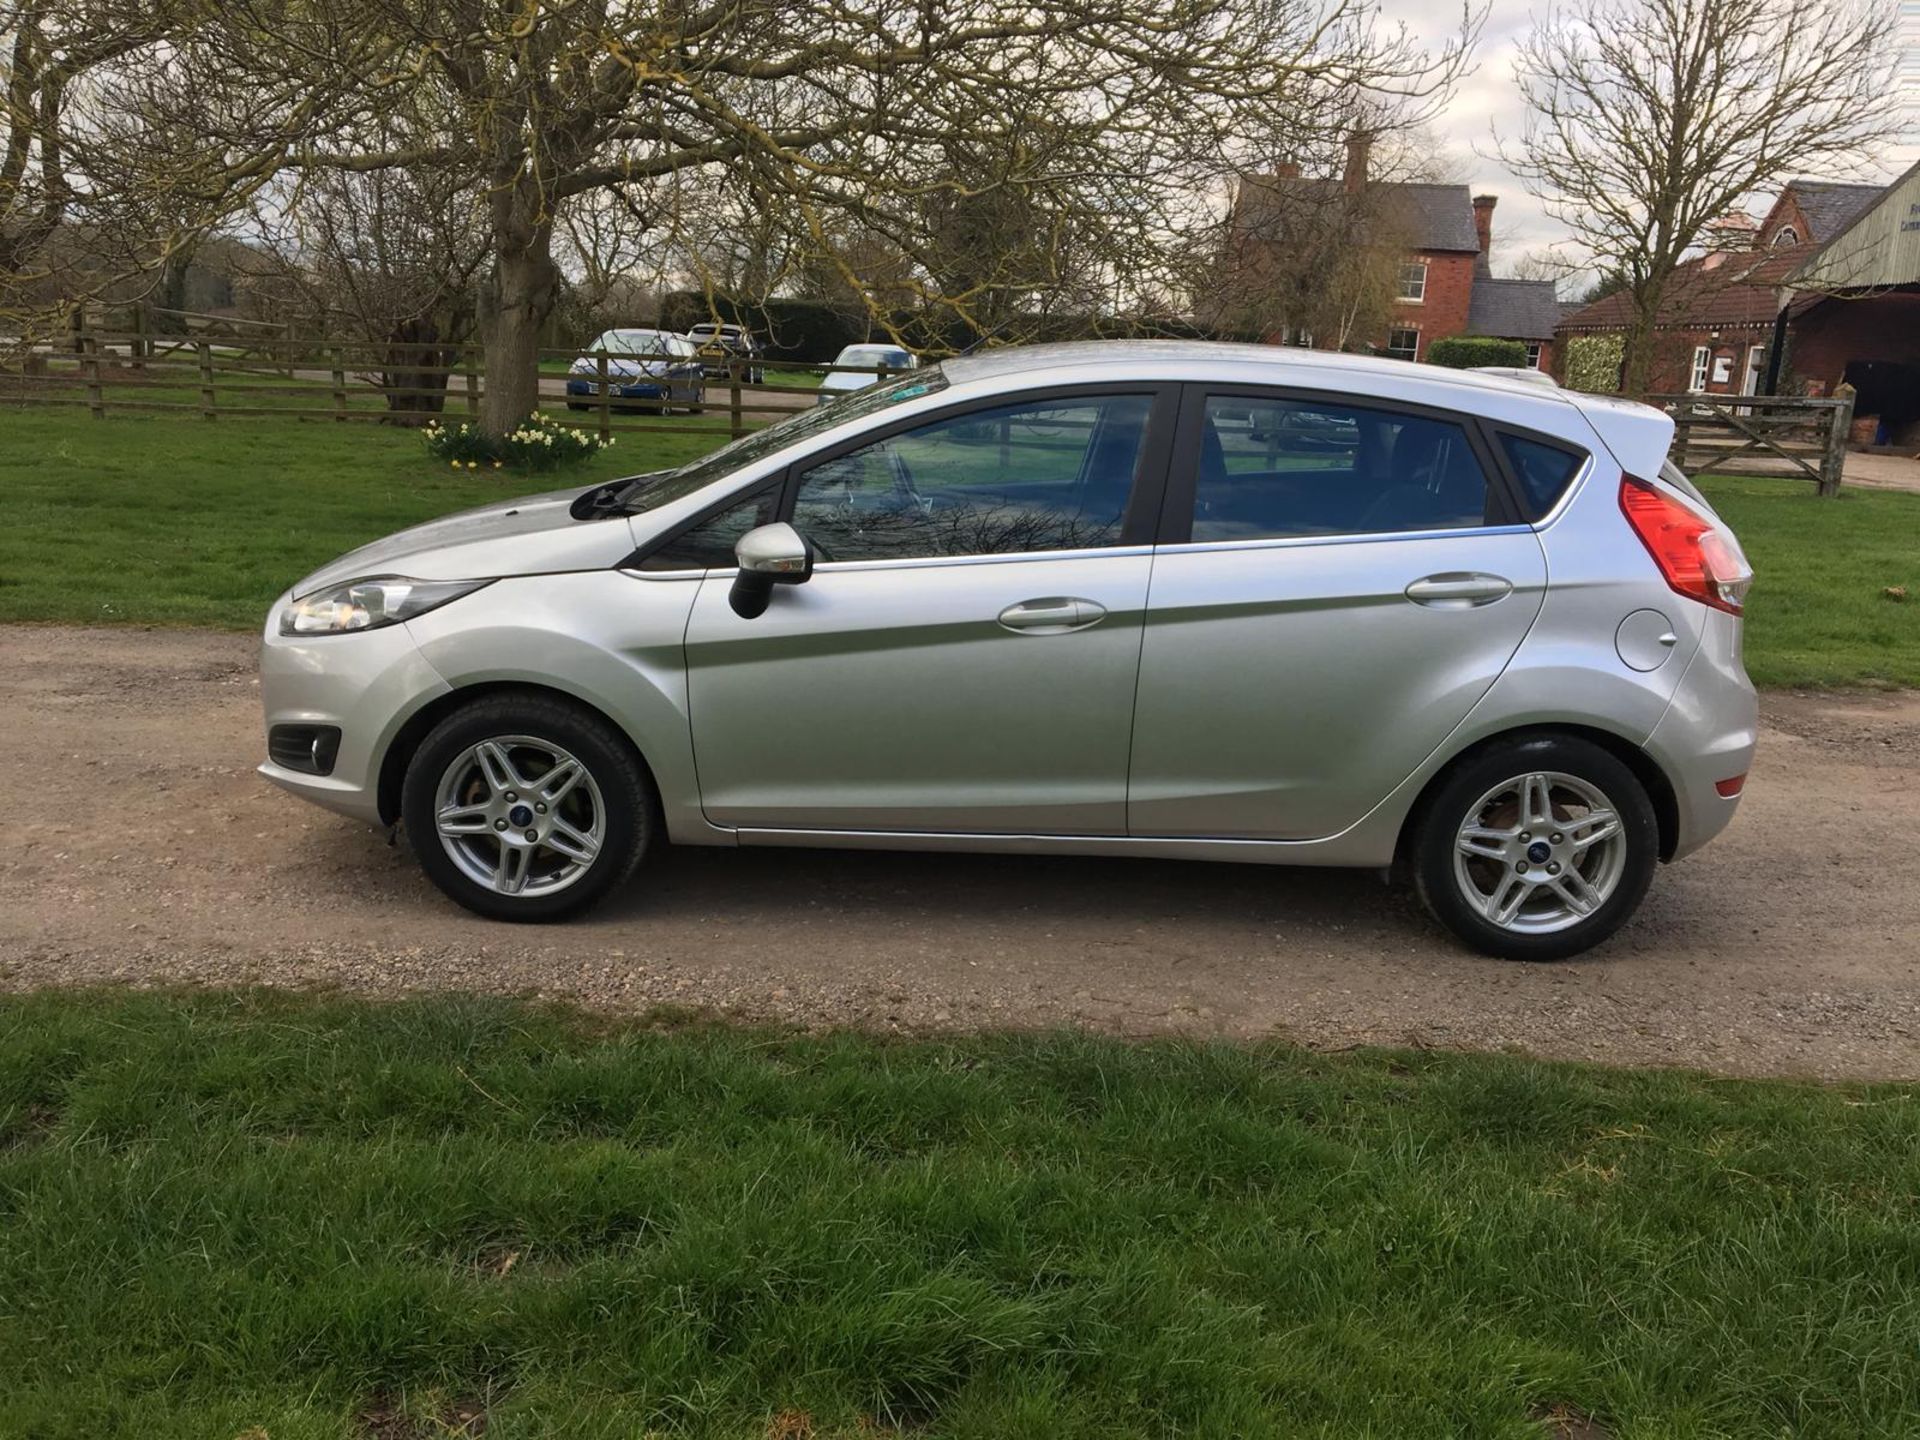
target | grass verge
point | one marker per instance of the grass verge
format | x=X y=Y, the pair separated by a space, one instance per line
x=1820 y=613
x=178 y=520
x=247 y=1214
x=185 y=521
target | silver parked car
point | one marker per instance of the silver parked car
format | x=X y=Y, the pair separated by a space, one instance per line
x=1167 y=599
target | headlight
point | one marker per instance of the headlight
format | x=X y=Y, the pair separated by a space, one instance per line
x=369 y=604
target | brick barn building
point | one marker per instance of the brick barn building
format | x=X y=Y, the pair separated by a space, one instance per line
x=1716 y=333
x=1855 y=315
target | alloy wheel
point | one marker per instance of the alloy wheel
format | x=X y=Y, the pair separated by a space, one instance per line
x=520 y=815
x=1540 y=852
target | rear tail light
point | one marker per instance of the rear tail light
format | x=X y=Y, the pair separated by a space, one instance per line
x=1694 y=555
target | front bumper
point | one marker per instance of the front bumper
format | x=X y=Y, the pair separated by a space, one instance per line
x=368 y=685
x=621 y=389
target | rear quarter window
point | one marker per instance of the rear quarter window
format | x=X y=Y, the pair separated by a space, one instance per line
x=1543 y=470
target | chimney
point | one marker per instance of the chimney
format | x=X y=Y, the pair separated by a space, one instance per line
x=1483 y=225
x=1359 y=146
x=1287 y=170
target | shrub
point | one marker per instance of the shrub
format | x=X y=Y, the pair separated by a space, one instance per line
x=1464 y=352
x=536 y=444
x=1592 y=363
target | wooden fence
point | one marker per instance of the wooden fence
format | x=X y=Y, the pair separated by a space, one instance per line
x=234 y=375
x=1794 y=437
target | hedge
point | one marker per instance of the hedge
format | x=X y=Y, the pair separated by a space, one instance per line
x=1465 y=352
x=812 y=332
x=1592 y=363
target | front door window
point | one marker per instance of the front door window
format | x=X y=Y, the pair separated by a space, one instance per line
x=1020 y=478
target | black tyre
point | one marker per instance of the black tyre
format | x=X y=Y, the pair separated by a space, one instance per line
x=527 y=807
x=1535 y=849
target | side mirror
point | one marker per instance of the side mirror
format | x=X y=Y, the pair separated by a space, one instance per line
x=769 y=555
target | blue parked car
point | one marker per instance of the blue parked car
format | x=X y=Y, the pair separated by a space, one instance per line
x=651 y=365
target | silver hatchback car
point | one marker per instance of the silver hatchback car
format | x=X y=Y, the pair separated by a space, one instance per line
x=1166 y=599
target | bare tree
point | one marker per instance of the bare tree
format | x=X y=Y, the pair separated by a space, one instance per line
x=390 y=257
x=1648 y=120
x=51 y=209
x=816 y=112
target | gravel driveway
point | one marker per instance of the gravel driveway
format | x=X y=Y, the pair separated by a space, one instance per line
x=1789 y=946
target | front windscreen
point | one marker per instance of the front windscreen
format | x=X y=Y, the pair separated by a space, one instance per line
x=649 y=492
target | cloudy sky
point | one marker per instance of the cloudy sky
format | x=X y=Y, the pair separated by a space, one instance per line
x=1487 y=98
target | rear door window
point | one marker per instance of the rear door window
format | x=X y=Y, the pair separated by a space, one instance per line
x=1273 y=468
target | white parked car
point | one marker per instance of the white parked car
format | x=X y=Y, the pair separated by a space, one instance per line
x=871 y=357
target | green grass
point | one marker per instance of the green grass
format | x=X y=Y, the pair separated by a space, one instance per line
x=246 y=1214
x=1819 y=613
x=178 y=520
x=186 y=521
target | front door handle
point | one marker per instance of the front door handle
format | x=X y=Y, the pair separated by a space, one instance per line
x=1459 y=590
x=1055 y=615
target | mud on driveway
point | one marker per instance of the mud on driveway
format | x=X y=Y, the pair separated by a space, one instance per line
x=141 y=848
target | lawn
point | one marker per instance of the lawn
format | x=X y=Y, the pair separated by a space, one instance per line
x=1819 y=613
x=186 y=521
x=247 y=1215
x=183 y=521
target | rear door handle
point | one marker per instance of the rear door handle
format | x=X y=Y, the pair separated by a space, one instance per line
x=1459 y=590
x=1055 y=615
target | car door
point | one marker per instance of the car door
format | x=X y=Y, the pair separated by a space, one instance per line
x=1337 y=584
x=963 y=657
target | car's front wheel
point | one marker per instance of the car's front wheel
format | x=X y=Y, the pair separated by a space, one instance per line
x=527 y=807
x=1536 y=849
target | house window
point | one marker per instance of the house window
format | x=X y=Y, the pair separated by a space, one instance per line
x=1297 y=335
x=1413 y=281
x=1702 y=357
x=1403 y=344
x=1533 y=354
x=1785 y=235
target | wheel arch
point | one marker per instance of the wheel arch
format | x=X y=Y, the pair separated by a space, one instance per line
x=1653 y=779
x=407 y=739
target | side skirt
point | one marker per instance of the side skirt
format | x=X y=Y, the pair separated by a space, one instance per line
x=1350 y=849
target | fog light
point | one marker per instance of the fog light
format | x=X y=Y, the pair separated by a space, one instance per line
x=1730 y=788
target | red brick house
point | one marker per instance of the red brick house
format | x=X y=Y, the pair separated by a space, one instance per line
x=1716 y=330
x=1443 y=236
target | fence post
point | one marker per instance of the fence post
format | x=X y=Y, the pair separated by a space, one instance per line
x=96 y=401
x=473 y=385
x=288 y=366
x=138 y=347
x=1682 y=436
x=339 y=383
x=735 y=419
x=1833 y=464
x=205 y=353
x=606 y=402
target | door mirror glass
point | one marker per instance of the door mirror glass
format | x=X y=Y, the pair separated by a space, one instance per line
x=768 y=555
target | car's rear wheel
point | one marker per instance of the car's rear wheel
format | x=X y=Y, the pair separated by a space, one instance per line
x=1536 y=849
x=526 y=807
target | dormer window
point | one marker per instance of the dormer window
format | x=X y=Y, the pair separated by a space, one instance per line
x=1785 y=235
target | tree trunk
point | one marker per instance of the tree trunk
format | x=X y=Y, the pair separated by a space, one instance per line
x=521 y=295
x=171 y=293
x=416 y=362
x=1638 y=344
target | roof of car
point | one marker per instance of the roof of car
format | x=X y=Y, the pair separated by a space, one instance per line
x=1280 y=363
